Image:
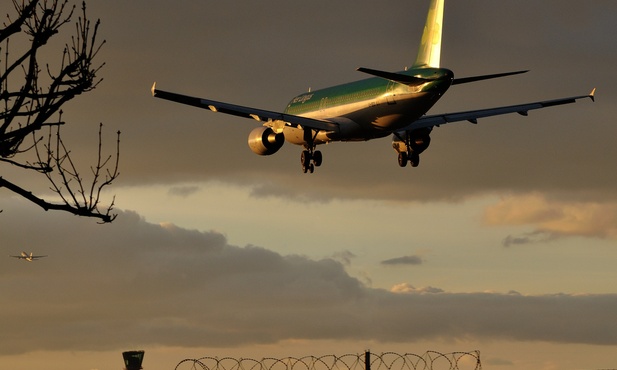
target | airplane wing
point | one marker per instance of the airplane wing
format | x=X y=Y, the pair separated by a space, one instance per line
x=246 y=112
x=28 y=257
x=474 y=115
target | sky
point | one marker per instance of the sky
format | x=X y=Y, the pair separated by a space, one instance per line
x=503 y=240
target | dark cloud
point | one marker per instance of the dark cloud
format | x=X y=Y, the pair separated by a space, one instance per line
x=345 y=257
x=184 y=191
x=516 y=240
x=528 y=238
x=550 y=151
x=405 y=260
x=112 y=286
x=107 y=286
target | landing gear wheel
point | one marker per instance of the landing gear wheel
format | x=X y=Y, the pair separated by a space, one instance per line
x=305 y=159
x=414 y=159
x=410 y=144
x=310 y=159
x=402 y=159
x=317 y=158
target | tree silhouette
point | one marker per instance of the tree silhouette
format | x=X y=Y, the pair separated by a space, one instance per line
x=30 y=96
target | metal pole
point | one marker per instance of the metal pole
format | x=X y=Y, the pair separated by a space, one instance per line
x=367 y=360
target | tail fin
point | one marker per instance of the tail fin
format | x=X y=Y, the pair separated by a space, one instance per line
x=430 y=46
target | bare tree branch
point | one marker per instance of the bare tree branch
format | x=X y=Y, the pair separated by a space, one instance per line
x=30 y=99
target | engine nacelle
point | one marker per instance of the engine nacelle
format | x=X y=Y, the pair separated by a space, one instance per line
x=417 y=140
x=264 y=141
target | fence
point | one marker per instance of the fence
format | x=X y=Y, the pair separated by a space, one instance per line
x=430 y=360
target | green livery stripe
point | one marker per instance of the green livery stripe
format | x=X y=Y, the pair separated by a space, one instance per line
x=337 y=95
x=363 y=90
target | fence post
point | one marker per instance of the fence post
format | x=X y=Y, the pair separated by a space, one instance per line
x=367 y=360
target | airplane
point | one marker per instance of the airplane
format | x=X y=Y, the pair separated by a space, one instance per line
x=388 y=103
x=27 y=257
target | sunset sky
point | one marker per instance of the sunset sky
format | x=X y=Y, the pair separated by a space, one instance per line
x=504 y=240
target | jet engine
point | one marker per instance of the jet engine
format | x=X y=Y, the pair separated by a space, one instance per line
x=419 y=140
x=264 y=141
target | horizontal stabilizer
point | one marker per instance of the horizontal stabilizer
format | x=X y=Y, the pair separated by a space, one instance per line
x=396 y=77
x=465 y=80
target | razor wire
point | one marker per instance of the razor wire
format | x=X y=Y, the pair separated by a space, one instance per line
x=430 y=360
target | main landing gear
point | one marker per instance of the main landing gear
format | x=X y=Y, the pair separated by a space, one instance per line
x=410 y=144
x=310 y=159
x=409 y=156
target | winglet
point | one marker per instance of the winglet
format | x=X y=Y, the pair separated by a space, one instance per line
x=592 y=95
x=153 y=88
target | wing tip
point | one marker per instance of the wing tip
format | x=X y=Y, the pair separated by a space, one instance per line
x=153 y=89
x=592 y=95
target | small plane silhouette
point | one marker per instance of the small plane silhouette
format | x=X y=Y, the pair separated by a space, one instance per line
x=28 y=257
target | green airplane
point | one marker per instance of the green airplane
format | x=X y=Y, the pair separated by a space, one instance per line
x=390 y=103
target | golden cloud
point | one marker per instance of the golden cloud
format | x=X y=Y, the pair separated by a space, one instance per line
x=557 y=217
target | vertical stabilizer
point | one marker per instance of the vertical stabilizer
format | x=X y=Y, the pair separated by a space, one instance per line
x=430 y=46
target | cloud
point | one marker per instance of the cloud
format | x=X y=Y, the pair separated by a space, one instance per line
x=528 y=238
x=494 y=361
x=405 y=260
x=345 y=257
x=109 y=286
x=408 y=288
x=184 y=191
x=555 y=218
x=463 y=161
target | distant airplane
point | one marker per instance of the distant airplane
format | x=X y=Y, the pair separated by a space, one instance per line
x=27 y=257
x=391 y=103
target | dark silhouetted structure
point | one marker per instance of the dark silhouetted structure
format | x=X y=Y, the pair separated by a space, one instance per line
x=133 y=359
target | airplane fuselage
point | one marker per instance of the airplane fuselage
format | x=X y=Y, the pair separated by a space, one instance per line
x=369 y=108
